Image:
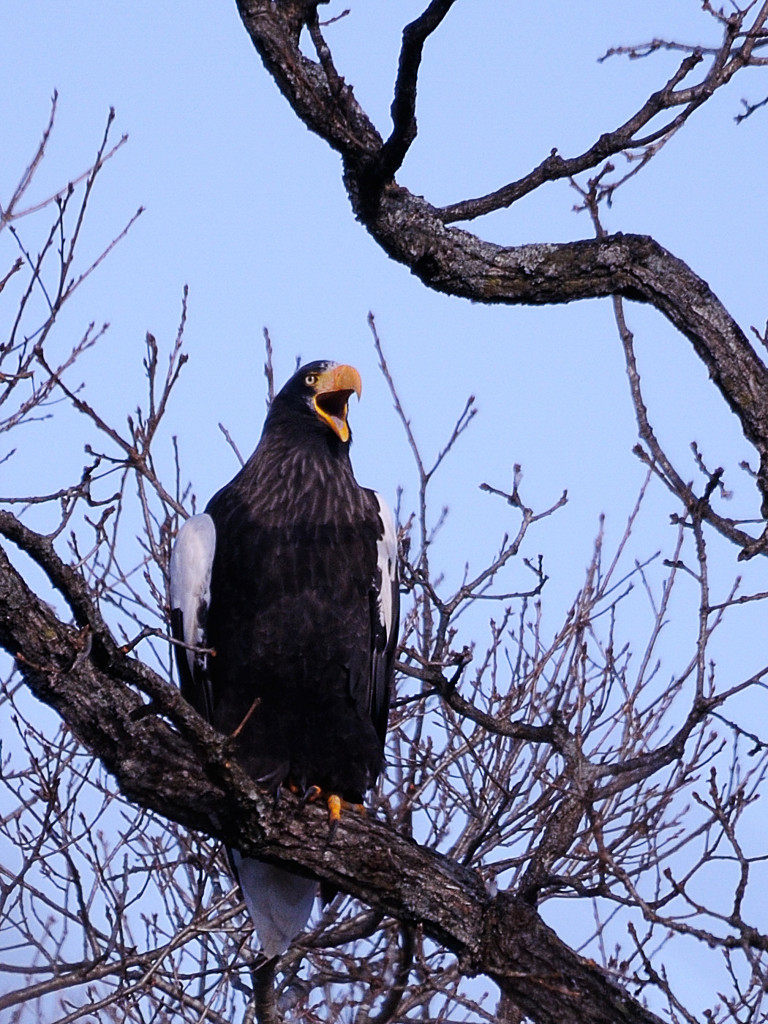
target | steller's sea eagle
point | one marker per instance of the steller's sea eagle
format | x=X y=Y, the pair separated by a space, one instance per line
x=289 y=580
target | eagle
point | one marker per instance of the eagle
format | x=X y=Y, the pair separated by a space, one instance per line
x=284 y=597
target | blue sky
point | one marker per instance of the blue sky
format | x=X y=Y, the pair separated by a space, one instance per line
x=247 y=208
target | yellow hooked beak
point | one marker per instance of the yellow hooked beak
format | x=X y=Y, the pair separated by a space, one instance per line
x=333 y=389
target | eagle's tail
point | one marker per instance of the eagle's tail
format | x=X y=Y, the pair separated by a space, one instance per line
x=278 y=901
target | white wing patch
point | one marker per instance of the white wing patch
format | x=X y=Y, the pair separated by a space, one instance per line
x=386 y=556
x=191 y=566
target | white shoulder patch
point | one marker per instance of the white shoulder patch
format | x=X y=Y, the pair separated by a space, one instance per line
x=386 y=552
x=191 y=566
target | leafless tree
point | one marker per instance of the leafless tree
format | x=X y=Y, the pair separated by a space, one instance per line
x=536 y=775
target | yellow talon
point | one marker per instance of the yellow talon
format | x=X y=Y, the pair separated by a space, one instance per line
x=333 y=801
x=334 y=808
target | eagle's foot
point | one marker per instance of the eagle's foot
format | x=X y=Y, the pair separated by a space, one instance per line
x=334 y=809
x=334 y=803
x=310 y=795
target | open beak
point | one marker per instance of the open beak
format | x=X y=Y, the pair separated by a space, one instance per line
x=332 y=393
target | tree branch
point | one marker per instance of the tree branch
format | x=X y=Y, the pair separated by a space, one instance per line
x=449 y=260
x=186 y=774
x=404 y=103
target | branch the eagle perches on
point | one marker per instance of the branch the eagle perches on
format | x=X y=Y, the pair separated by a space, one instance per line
x=166 y=758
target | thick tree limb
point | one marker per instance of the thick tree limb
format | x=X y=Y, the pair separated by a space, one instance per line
x=184 y=772
x=459 y=263
x=415 y=233
x=404 y=103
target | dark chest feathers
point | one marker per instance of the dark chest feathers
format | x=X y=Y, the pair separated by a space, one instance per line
x=290 y=523
x=292 y=618
x=282 y=486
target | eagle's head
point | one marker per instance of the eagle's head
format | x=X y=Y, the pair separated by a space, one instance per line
x=323 y=388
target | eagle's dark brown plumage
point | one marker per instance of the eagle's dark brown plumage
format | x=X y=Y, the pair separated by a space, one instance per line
x=290 y=577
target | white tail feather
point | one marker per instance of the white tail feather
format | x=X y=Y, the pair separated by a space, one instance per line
x=278 y=901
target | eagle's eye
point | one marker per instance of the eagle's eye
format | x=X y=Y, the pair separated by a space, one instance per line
x=311 y=379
